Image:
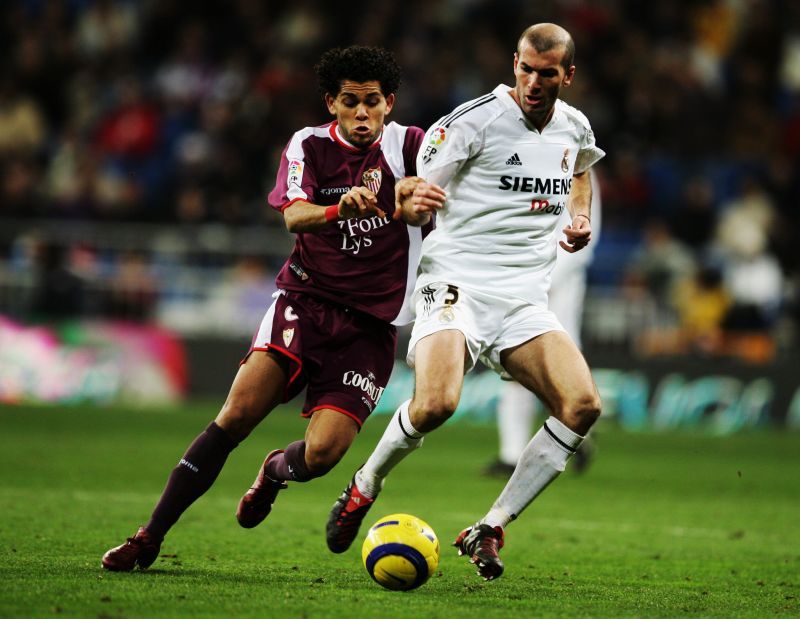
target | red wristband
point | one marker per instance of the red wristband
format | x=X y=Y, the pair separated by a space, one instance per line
x=332 y=213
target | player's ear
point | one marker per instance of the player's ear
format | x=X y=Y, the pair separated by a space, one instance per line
x=330 y=101
x=389 y=103
x=568 y=76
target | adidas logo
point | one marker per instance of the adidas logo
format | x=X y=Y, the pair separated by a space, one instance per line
x=514 y=160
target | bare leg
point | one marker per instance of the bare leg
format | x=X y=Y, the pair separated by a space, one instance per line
x=439 y=374
x=553 y=367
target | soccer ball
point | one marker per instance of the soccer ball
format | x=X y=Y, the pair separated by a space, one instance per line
x=400 y=552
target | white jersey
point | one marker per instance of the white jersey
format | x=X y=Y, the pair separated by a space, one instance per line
x=507 y=185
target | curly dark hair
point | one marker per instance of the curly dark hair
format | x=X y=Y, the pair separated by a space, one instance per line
x=357 y=63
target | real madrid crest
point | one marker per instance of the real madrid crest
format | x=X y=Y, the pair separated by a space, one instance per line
x=447 y=315
x=372 y=179
x=288 y=334
x=565 y=161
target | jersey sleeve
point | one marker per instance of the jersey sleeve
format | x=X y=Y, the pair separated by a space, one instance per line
x=444 y=150
x=296 y=179
x=411 y=147
x=589 y=153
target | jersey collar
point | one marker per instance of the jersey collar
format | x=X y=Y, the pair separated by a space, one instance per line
x=336 y=136
x=502 y=92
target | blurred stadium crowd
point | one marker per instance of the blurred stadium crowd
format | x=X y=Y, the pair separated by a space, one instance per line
x=124 y=113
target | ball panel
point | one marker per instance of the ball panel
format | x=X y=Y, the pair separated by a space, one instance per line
x=398 y=564
x=384 y=523
x=391 y=577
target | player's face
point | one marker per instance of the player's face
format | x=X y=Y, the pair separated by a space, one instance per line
x=540 y=77
x=360 y=108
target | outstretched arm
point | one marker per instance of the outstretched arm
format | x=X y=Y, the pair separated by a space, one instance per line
x=304 y=216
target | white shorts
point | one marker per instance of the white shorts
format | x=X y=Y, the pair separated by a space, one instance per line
x=490 y=324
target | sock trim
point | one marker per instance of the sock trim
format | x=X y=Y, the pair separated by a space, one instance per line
x=402 y=427
x=558 y=440
x=214 y=428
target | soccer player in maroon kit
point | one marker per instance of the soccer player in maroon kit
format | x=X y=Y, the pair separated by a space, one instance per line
x=331 y=328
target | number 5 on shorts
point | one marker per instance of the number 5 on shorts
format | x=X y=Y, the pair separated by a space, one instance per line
x=452 y=292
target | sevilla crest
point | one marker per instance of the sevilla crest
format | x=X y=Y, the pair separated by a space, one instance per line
x=288 y=334
x=372 y=179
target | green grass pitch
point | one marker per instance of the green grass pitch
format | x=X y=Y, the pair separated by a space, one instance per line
x=662 y=525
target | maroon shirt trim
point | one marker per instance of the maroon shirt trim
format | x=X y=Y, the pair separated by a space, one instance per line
x=290 y=202
x=341 y=142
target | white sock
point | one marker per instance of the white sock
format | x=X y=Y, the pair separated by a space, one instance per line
x=515 y=414
x=398 y=440
x=541 y=462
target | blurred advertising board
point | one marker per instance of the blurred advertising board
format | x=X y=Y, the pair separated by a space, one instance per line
x=90 y=361
x=653 y=394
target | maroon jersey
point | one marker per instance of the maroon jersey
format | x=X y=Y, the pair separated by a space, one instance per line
x=368 y=264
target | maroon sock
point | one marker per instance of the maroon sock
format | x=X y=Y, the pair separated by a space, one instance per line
x=194 y=474
x=291 y=465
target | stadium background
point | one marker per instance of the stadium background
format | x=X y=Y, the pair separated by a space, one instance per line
x=138 y=143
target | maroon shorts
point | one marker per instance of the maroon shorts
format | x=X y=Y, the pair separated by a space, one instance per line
x=342 y=357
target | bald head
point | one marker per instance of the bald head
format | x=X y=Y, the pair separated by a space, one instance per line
x=544 y=37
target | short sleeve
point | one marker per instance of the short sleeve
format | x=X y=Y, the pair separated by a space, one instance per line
x=589 y=153
x=444 y=150
x=296 y=179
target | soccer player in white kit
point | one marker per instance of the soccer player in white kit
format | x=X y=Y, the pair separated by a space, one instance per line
x=509 y=163
x=517 y=406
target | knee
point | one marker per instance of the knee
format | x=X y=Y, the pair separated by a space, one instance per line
x=581 y=414
x=322 y=455
x=430 y=411
x=238 y=419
